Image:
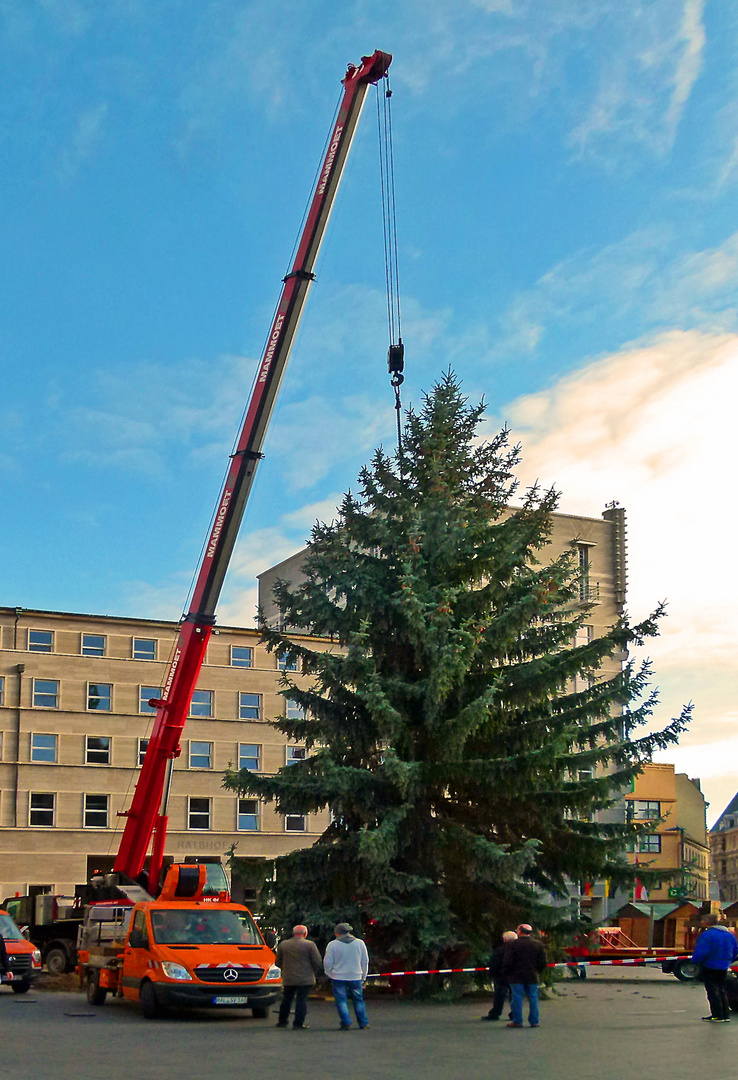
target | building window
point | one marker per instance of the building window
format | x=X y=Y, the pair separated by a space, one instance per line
x=96 y=811
x=295 y=823
x=295 y=754
x=285 y=662
x=241 y=656
x=293 y=711
x=100 y=696
x=648 y=845
x=248 y=815
x=97 y=750
x=583 y=566
x=40 y=640
x=198 y=813
x=145 y=694
x=249 y=757
x=46 y=693
x=202 y=703
x=201 y=755
x=41 y=809
x=144 y=648
x=143 y=745
x=43 y=747
x=249 y=706
x=643 y=810
x=93 y=645
x=2 y=689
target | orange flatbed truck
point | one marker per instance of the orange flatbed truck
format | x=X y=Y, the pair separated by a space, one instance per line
x=177 y=952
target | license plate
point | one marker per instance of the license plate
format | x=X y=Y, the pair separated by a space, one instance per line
x=229 y=1000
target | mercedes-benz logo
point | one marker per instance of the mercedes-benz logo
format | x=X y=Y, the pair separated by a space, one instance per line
x=230 y=975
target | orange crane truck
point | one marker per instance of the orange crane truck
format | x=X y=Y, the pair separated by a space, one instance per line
x=178 y=951
x=187 y=948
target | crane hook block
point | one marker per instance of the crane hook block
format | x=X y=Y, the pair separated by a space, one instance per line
x=396 y=359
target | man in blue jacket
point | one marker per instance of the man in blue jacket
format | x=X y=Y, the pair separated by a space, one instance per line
x=715 y=950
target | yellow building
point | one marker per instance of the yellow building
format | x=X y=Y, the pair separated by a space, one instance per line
x=74 y=724
x=679 y=846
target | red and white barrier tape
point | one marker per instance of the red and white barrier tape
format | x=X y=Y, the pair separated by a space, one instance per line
x=639 y=962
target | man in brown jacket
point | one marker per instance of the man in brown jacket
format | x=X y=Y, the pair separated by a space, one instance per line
x=300 y=962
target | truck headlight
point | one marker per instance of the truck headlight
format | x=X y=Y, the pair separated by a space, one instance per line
x=175 y=971
x=36 y=958
x=274 y=973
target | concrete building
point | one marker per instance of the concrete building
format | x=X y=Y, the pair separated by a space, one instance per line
x=724 y=852
x=601 y=550
x=74 y=723
x=679 y=847
x=601 y=553
x=74 y=720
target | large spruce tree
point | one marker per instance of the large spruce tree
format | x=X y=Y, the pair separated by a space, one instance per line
x=445 y=736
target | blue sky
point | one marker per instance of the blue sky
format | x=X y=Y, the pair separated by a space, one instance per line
x=566 y=183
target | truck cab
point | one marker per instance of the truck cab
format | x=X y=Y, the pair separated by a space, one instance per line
x=24 y=957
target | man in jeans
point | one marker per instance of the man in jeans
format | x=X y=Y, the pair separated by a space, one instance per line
x=715 y=950
x=299 y=960
x=346 y=962
x=524 y=960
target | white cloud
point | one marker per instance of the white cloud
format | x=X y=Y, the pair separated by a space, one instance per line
x=653 y=426
x=87 y=134
x=254 y=553
x=648 y=66
x=638 y=280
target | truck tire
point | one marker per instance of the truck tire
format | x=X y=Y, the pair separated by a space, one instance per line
x=96 y=994
x=20 y=986
x=260 y=1012
x=150 y=1006
x=57 y=960
x=686 y=971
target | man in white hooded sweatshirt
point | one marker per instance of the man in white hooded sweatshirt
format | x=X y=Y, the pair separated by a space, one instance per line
x=346 y=962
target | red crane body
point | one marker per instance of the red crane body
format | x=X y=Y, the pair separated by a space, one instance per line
x=147 y=816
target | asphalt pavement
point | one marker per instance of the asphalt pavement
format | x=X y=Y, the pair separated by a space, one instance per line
x=624 y=1025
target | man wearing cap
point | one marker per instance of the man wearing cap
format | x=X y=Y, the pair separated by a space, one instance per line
x=346 y=962
x=502 y=986
x=523 y=961
x=299 y=961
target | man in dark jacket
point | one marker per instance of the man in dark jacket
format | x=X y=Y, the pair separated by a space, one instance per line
x=300 y=962
x=522 y=963
x=715 y=950
x=502 y=986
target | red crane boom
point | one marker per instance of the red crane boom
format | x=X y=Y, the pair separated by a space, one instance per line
x=147 y=815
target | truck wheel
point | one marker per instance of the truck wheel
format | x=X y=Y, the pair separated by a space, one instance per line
x=21 y=986
x=260 y=1012
x=96 y=994
x=57 y=960
x=686 y=971
x=150 y=1006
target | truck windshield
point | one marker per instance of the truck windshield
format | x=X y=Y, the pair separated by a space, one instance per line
x=8 y=929
x=204 y=926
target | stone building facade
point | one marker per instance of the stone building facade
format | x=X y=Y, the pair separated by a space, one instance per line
x=74 y=720
x=724 y=852
x=74 y=724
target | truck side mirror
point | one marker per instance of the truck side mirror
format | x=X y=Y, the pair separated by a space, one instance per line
x=137 y=939
x=270 y=938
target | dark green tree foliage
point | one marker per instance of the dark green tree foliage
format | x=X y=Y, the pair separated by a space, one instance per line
x=445 y=737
